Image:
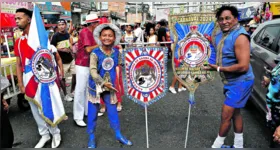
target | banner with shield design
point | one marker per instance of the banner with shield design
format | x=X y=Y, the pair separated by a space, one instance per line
x=145 y=74
x=193 y=51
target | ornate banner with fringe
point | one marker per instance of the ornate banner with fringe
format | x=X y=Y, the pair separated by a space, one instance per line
x=145 y=74
x=40 y=72
x=192 y=49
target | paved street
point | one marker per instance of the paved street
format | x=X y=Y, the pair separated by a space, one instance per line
x=167 y=123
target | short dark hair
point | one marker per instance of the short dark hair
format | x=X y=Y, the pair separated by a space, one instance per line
x=25 y=11
x=107 y=28
x=232 y=9
x=162 y=22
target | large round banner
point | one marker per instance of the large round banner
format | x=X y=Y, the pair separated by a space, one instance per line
x=145 y=74
x=43 y=66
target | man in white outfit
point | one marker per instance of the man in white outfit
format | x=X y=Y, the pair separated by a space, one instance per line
x=86 y=44
x=47 y=109
x=138 y=32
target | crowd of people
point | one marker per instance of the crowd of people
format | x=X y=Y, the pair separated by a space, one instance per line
x=97 y=88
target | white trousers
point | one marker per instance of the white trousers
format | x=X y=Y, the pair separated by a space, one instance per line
x=80 y=107
x=43 y=127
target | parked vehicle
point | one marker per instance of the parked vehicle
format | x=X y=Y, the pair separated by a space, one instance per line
x=265 y=43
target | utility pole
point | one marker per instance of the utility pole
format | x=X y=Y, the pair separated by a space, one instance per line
x=136 y=10
x=100 y=8
x=142 y=6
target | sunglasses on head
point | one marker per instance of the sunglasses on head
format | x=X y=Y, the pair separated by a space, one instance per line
x=61 y=21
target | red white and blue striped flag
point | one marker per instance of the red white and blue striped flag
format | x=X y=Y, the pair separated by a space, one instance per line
x=40 y=73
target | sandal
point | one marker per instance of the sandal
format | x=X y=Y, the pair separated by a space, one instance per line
x=102 y=110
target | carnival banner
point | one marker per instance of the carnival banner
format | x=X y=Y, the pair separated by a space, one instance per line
x=192 y=49
x=40 y=73
x=145 y=74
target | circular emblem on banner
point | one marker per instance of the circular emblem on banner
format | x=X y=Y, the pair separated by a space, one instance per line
x=194 y=51
x=108 y=63
x=43 y=66
x=145 y=73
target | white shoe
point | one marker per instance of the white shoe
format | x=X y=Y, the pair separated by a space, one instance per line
x=80 y=123
x=181 y=89
x=71 y=95
x=44 y=139
x=56 y=140
x=100 y=114
x=68 y=98
x=172 y=90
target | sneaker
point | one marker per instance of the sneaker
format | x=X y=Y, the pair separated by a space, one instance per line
x=56 y=140
x=44 y=139
x=100 y=114
x=172 y=90
x=80 y=123
x=181 y=89
x=68 y=98
x=119 y=108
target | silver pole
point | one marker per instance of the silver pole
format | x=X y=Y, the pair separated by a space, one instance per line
x=187 y=133
x=7 y=45
x=147 y=132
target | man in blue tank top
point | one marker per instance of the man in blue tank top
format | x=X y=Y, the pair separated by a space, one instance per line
x=232 y=46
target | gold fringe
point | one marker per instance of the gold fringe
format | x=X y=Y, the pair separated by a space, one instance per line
x=94 y=100
x=63 y=117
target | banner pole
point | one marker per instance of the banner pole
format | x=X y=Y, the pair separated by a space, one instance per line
x=187 y=132
x=146 y=119
x=7 y=44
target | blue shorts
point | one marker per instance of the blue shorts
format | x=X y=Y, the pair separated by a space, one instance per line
x=238 y=93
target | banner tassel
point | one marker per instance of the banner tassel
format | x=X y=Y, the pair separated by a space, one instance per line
x=191 y=98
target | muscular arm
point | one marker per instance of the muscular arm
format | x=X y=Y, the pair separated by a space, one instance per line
x=93 y=70
x=19 y=72
x=90 y=48
x=242 y=53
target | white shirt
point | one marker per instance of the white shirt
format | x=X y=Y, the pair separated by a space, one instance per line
x=138 y=33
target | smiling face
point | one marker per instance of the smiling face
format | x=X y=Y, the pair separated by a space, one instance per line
x=226 y=20
x=107 y=37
